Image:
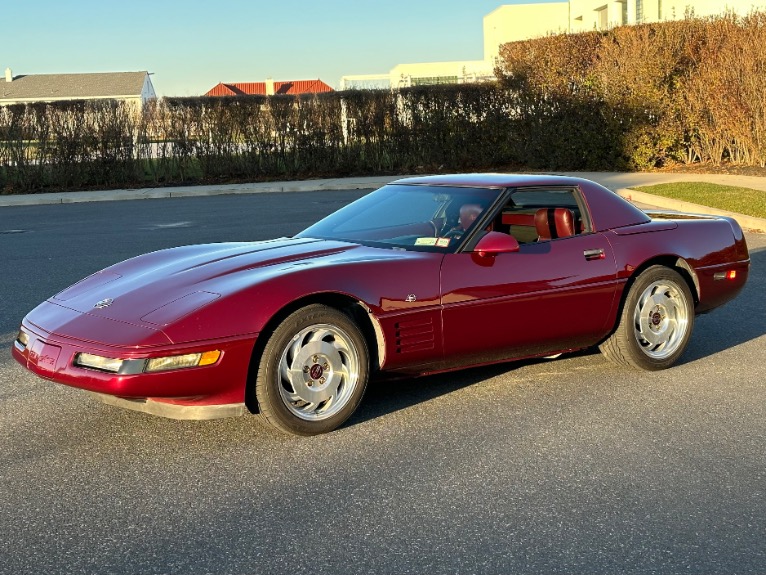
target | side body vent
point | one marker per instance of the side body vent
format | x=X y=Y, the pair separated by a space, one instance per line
x=415 y=335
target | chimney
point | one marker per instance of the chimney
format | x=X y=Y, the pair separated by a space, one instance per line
x=269 y=86
x=8 y=75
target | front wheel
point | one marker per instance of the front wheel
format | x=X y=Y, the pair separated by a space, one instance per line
x=656 y=322
x=313 y=371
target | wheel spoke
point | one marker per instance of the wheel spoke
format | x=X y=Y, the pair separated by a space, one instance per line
x=293 y=397
x=652 y=337
x=295 y=348
x=285 y=372
x=320 y=334
x=645 y=299
x=672 y=309
x=340 y=344
x=333 y=386
x=343 y=373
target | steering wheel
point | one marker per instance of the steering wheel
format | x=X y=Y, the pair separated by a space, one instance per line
x=454 y=233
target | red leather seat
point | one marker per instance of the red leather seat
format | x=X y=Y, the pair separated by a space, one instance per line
x=565 y=222
x=553 y=223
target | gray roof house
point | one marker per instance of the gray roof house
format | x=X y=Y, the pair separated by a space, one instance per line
x=133 y=87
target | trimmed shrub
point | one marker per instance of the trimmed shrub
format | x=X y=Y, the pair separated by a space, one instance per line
x=633 y=97
x=636 y=97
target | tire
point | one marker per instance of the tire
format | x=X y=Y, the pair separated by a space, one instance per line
x=313 y=371
x=656 y=322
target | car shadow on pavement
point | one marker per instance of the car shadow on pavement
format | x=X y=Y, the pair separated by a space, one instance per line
x=385 y=397
x=737 y=322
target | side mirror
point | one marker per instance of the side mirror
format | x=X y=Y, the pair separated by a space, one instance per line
x=494 y=243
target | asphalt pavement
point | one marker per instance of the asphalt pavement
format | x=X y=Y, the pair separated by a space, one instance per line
x=566 y=466
x=621 y=182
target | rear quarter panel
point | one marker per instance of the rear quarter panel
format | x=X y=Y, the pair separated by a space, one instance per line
x=706 y=245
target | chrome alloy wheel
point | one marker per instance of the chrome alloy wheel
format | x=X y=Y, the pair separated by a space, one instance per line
x=318 y=372
x=661 y=319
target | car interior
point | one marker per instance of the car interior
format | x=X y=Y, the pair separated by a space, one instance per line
x=541 y=215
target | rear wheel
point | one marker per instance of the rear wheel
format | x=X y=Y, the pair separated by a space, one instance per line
x=656 y=322
x=313 y=371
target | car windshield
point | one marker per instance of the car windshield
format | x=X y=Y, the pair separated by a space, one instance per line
x=414 y=217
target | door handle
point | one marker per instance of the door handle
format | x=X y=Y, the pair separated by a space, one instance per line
x=591 y=255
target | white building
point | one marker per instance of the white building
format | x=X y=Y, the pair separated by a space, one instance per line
x=513 y=22
x=133 y=87
x=406 y=75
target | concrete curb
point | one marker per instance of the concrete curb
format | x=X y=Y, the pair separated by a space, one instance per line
x=619 y=181
x=746 y=222
x=338 y=184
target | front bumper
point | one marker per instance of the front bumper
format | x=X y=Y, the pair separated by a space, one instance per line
x=174 y=410
x=205 y=392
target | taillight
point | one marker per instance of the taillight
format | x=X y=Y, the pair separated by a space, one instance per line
x=727 y=275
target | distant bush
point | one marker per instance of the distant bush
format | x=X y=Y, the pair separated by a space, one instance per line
x=630 y=98
x=68 y=145
x=639 y=96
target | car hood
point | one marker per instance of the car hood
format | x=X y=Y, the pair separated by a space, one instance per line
x=159 y=288
x=219 y=291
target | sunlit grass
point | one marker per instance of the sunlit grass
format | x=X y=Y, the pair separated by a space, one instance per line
x=731 y=198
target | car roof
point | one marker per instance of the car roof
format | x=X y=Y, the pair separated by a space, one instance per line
x=491 y=180
x=607 y=209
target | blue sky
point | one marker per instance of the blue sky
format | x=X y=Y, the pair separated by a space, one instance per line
x=190 y=45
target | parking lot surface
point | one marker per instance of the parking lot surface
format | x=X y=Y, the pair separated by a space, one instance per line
x=564 y=466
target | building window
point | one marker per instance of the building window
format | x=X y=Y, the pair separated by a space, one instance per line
x=624 y=13
x=602 y=17
x=639 y=11
x=432 y=80
x=659 y=9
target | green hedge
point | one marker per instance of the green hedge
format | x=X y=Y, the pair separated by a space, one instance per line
x=631 y=98
x=638 y=97
x=68 y=145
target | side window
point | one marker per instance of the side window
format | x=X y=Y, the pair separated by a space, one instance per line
x=542 y=214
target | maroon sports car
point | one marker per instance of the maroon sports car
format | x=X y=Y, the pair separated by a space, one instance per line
x=421 y=276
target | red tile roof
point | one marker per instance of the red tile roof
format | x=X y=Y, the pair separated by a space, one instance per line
x=291 y=87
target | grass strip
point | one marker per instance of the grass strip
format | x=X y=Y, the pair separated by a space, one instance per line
x=731 y=198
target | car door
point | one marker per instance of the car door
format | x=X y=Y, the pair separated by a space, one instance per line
x=552 y=295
